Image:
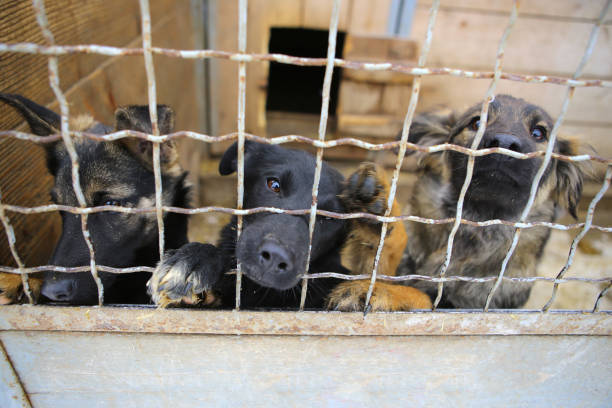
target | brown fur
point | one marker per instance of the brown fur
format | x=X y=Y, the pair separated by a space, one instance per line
x=362 y=244
x=499 y=190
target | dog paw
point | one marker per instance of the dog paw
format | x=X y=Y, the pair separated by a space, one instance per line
x=11 y=288
x=186 y=276
x=351 y=297
x=366 y=190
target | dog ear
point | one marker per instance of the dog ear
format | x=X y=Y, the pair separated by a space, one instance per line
x=136 y=117
x=42 y=122
x=431 y=129
x=229 y=161
x=428 y=130
x=570 y=175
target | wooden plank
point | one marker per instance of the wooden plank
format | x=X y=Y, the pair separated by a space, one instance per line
x=395 y=99
x=359 y=98
x=369 y=17
x=224 y=74
x=576 y=9
x=469 y=40
x=372 y=125
x=131 y=370
x=317 y=14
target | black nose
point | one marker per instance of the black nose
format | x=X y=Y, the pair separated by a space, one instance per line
x=274 y=258
x=505 y=141
x=59 y=291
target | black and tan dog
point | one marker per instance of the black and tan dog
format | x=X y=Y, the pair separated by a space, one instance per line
x=272 y=248
x=499 y=189
x=111 y=173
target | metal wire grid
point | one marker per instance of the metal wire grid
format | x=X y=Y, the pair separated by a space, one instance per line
x=53 y=51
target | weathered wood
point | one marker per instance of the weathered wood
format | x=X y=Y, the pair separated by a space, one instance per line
x=453 y=323
x=469 y=39
x=132 y=370
x=559 y=9
x=317 y=13
x=369 y=17
x=93 y=84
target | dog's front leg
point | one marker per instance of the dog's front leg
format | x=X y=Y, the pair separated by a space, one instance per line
x=187 y=276
x=367 y=190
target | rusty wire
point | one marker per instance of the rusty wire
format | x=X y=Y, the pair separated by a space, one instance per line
x=41 y=18
x=53 y=51
x=484 y=112
x=329 y=68
x=551 y=143
x=278 y=140
x=414 y=97
x=242 y=42
x=56 y=50
x=325 y=213
x=10 y=236
x=576 y=240
x=152 y=96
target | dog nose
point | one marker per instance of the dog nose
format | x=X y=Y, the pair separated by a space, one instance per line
x=505 y=141
x=274 y=257
x=59 y=291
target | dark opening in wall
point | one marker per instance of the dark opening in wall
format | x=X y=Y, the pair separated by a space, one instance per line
x=300 y=89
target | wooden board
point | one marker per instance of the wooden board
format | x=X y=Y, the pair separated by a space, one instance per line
x=468 y=39
x=72 y=369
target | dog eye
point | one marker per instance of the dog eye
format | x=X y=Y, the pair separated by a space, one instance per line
x=112 y=202
x=474 y=123
x=538 y=133
x=274 y=184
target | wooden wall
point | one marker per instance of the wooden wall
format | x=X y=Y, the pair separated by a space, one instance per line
x=549 y=38
x=93 y=84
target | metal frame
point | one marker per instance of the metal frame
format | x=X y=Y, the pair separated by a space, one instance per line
x=524 y=322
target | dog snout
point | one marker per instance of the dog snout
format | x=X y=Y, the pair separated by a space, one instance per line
x=505 y=141
x=274 y=258
x=59 y=291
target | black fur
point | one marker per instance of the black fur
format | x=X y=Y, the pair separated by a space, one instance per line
x=110 y=174
x=272 y=248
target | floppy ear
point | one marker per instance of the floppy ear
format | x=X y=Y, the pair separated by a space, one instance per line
x=229 y=161
x=136 y=117
x=570 y=175
x=42 y=121
x=429 y=130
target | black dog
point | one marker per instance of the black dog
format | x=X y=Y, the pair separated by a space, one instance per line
x=272 y=248
x=111 y=173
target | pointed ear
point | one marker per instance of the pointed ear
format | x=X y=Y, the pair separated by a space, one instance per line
x=571 y=175
x=136 y=117
x=42 y=122
x=229 y=161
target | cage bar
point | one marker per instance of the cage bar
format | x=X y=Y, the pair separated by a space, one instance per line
x=414 y=98
x=152 y=96
x=551 y=144
x=484 y=113
x=52 y=51
x=329 y=68
x=32 y=48
x=41 y=18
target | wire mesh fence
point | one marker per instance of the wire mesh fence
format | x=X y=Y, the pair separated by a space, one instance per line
x=242 y=58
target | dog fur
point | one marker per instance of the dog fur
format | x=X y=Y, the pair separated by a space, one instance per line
x=272 y=248
x=111 y=173
x=499 y=189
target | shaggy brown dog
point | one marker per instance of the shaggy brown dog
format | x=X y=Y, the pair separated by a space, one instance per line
x=499 y=189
